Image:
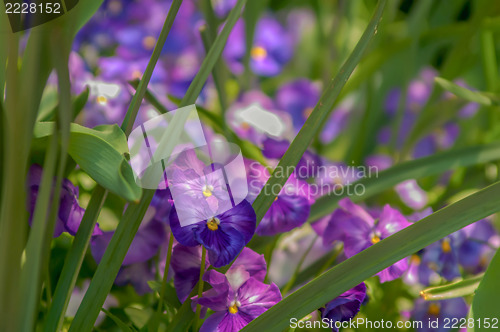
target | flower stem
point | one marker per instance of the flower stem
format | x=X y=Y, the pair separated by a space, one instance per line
x=165 y=273
x=200 y=285
x=290 y=283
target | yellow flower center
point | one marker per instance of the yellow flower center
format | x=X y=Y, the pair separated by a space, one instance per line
x=245 y=126
x=276 y=198
x=149 y=42
x=258 y=53
x=102 y=100
x=415 y=259
x=445 y=246
x=375 y=239
x=207 y=190
x=213 y=224
x=233 y=309
x=307 y=112
x=433 y=309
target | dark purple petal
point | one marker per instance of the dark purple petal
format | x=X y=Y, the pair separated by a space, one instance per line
x=223 y=244
x=285 y=214
x=186 y=264
x=345 y=306
x=185 y=235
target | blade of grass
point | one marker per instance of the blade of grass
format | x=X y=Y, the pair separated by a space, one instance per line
x=360 y=267
x=38 y=246
x=316 y=119
x=453 y=290
x=485 y=302
x=120 y=242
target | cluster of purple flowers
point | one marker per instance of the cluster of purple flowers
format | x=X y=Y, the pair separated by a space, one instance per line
x=114 y=48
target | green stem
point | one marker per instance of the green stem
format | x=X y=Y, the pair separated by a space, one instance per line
x=165 y=278
x=299 y=266
x=200 y=285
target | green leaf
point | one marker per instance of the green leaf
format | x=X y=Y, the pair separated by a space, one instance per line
x=466 y=94
x=100 y=153
x=485 y=302
x=360 y=267
x=456 y=289
x=314 y=122
x=415 y=169
x=121 y=324
x=48 y=105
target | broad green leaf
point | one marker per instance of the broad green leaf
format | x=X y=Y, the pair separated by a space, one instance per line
x=485 y=302
x=466 y=94
x=318 y=116
x=100 y=153
x=456 y=289
x=415 y=169
x=367 y=263
x=121 y=324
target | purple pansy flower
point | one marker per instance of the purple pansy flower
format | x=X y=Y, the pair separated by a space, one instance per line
x=223 y=7
x=291 y=206
x=345 y=306
x=442 y=256
x=70 y=212
x=432 y=311
x=239 y=296
x=223 y=234
x=359 y=229
x=298 y=98
x=272 y=48
x=186 y=263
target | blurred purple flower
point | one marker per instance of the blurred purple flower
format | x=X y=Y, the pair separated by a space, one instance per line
x=359 y=230
x=146 y=243
x=272 y=48
x=70 y=212
x=430 y=311
x=291 y=207
x=411 y=194
x=223 y=7
x=308 y=165
x=298 y=98
x=345 y=306
x=442 y=256
x=239 y=296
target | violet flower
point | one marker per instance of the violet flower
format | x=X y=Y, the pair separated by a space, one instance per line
x=186 y=264
x=291 y=207
x=432 y=311
x=272 y=48
x=359 y=230
x=345 y=306
x=223 y=234
x=70 y=212
x=239 y=296
x=442 y=256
